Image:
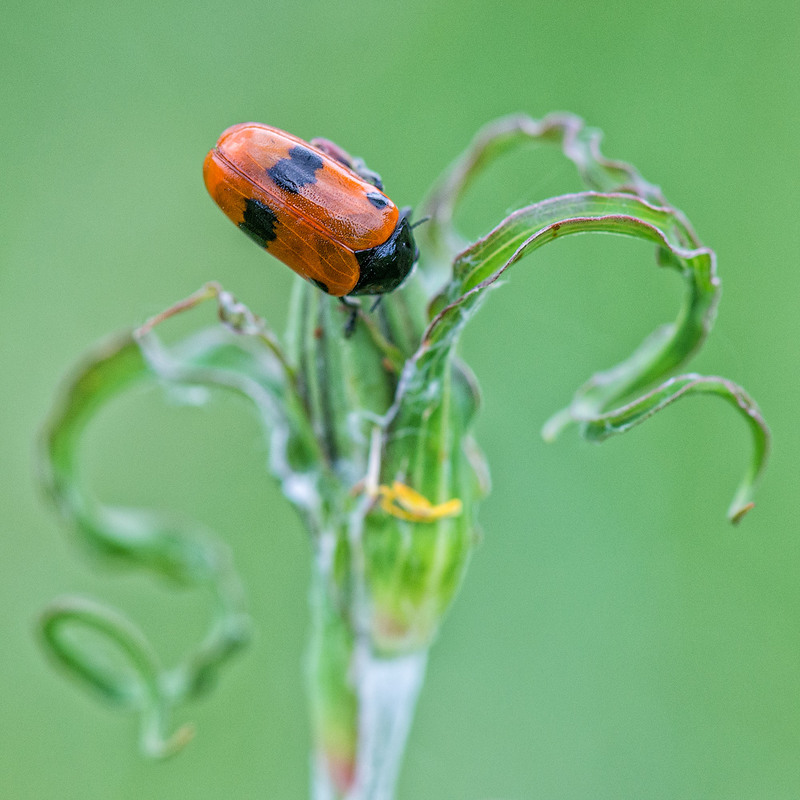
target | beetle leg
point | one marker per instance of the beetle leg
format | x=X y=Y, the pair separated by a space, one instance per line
x=353 y=307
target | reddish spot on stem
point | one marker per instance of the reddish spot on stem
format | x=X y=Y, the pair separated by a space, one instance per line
x=342 y=771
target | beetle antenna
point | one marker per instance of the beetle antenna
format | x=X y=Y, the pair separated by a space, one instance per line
x=419 y=222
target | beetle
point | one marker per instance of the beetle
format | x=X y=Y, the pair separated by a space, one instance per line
x=313 y=207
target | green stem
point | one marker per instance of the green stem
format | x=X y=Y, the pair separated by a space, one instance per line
x=362 y=705
x=332 y=696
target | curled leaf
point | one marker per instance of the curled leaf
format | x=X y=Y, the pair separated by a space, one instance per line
x=623 y=419
x=579 y=143
x=111 y=656
x=628 y=213
x=242 y=358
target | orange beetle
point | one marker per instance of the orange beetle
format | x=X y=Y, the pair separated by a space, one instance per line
x=309 y=207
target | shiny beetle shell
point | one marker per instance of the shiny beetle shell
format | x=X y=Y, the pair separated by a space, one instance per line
x=310 y=211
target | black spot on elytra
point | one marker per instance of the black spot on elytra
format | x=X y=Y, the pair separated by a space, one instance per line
x=259 y=222
x=377 y=199
x=297 y=170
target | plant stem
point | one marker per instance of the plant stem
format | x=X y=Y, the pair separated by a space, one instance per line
x=362 y=706
x=387 y=692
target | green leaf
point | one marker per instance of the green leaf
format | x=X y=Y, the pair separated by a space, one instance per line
x=526 y=230
x=623 y=419
x=111 y=656
x=480 y=265
x=439 y=241
x=242 y=357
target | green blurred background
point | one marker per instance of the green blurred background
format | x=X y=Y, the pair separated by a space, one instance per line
x=615 y=637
